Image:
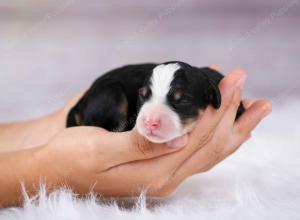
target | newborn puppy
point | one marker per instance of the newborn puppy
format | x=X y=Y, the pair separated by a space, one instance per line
x=163 y=101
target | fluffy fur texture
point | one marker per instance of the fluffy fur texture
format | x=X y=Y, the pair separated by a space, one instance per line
x=260 y=181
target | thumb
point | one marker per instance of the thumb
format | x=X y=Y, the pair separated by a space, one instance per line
x=131 y=146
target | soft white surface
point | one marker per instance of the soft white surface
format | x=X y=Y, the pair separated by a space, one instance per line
x=260 y=181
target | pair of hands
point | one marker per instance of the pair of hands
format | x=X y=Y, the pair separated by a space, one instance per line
x=123 y=164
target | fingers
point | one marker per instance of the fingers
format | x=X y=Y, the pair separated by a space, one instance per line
x=249 y=119
x=199 y=141
x=247 y=103
x=131 y=146
x=205 y=128
x=211 y=117
x=204 y=157
x=243 y=127
x=215 y=67
x=229 y=116
x=178 y=142
x=214 y=152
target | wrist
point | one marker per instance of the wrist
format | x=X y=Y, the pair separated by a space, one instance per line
x=31 y=133
x=56 y=122
x=46 y=171
x=22 y=167
x=45 y=128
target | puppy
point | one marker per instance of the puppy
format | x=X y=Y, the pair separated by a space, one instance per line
x=163 y=101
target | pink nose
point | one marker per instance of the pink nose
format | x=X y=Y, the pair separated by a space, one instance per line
x=152 y=124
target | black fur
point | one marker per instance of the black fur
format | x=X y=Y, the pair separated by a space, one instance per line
x=100 y=105
x=114 y=99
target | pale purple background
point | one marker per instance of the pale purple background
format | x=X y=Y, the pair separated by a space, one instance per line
x=50 y=50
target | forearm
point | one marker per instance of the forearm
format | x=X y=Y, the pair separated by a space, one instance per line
x=20 y=166
x=31 y=133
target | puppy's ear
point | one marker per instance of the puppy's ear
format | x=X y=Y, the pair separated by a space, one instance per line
x=213 y=94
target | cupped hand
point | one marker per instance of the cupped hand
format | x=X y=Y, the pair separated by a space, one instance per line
x=217 y=134
x=81 y=157
x=123 y=164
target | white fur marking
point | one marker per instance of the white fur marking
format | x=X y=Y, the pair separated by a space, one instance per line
x=161 y=79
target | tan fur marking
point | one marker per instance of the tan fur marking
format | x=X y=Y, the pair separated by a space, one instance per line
x=77 y=119
x=188 y=124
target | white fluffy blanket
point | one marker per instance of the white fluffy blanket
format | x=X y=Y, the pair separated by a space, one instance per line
x=260 y=181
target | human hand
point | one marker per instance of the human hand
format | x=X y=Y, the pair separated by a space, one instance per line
x=81 y=157
x=112 y=163
x=217 y=134
x=215 y=137
x=93 y=157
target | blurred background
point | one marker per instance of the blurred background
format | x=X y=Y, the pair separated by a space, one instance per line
x=51 y=50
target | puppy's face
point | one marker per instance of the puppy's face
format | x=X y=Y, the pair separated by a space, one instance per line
x=171 y=101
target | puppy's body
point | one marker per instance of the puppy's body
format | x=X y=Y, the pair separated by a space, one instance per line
x=162 y=100
x=112 y=100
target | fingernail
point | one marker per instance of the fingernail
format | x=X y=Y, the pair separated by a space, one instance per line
x=240 y=82
x=267 y=109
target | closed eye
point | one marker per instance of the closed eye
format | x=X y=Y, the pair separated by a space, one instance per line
x=144 y=93
x=183 y=102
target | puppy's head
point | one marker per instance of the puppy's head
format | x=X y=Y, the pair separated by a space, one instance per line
x=172 y=99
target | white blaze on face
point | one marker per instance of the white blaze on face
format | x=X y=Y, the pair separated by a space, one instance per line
x=161 y=80
x=156 y=120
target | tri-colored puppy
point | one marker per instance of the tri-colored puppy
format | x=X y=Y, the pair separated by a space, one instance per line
x=162 y=100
